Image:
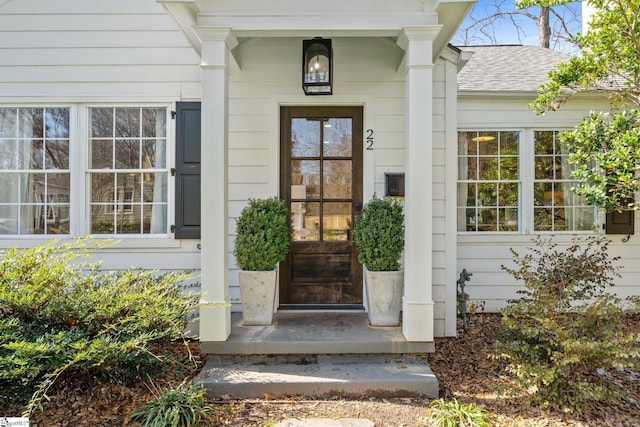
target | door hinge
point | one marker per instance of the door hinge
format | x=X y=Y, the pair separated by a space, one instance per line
x=173 y=171
x=173 y=115
x=173 y=228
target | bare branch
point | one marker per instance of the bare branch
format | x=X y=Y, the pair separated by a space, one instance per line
x=562 y=22
x=553 y=29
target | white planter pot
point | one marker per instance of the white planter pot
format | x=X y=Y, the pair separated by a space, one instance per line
x=384 y=296
x=258 y=294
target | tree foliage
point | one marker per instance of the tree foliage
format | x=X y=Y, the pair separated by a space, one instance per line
x=606 y=150
x=605 y=146
x=610 y=58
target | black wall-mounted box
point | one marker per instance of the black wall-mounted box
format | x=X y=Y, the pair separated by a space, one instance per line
x=394 y=184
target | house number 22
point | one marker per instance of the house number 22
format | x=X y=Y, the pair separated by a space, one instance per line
x=369 y=143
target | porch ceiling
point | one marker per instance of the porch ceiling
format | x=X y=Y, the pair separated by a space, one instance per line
x=331 y=18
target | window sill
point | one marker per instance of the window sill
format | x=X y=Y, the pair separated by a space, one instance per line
x=516 y=238
x=123 y=242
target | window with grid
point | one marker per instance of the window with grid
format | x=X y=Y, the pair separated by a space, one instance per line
x=128 y=172
x=489 y=181
x=34 y=170
x=556 y=207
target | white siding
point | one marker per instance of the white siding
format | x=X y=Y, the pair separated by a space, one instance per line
x=439 y=274
x=485 y=254
x=84 y=51
x=117 y=52
x=444 y=194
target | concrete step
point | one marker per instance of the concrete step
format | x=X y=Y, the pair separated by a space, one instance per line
x=318 y=375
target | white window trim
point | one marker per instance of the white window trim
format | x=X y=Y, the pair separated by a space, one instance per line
x=79 y=210
x=27 y=240
x=526 y=177
x=170 y=141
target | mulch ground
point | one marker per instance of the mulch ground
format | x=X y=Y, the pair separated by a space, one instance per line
x=461 y=365
x=467 y=373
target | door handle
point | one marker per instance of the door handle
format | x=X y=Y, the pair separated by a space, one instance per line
x=357 y=206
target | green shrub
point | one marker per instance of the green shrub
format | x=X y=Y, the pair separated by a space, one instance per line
x=58 y=314
x=379 y=234
x=566 y=333
x=262 y=235
x=183 y=406
x=455 y=414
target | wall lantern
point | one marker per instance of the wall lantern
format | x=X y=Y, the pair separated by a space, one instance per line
x=317 y=66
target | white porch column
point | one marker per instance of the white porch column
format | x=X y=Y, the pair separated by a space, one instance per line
x=215 y=306
x=417 y=303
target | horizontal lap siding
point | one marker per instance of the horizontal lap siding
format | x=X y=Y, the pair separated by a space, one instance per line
x=493 y=286
x=116 y=51
x=439 y=255
x=93 y=51
x=489 y=285
x=485 y=254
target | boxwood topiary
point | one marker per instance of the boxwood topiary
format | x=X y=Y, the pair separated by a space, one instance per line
x=379 y=234
x=262 y=235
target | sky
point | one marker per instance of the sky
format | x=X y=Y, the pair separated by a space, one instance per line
x=505 y=31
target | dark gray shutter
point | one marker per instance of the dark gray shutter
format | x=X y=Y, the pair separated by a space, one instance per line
x=187 y=171
x=620 y=222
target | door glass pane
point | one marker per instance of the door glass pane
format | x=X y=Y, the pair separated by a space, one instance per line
x=336 y=221
x=305 y=177
x=337 y=137
x=305 y=137
x=305 y=221
x=337 y=179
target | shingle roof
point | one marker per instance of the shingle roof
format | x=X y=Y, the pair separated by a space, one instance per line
x=507 y=68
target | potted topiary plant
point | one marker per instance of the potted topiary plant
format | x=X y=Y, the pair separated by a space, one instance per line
x=379 y=237
x=262 y=241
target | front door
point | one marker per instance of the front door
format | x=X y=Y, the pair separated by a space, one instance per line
x=321 y=182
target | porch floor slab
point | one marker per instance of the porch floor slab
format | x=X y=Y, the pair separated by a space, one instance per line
x=309 y=332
